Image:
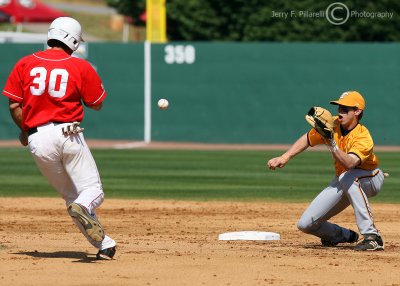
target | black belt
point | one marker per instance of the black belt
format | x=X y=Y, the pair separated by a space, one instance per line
x=34 y=129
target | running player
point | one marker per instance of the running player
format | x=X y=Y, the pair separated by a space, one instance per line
x=46 y=91
x=357 y=178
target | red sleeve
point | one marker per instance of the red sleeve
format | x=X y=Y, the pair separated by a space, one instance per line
x=92 y=90
x=14 y=84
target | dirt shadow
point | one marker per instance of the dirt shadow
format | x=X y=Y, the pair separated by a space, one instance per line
x=81 y=257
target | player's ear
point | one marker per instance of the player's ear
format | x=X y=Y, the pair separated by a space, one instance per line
x=359 y=114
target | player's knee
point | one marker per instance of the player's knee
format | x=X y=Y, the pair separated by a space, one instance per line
x=302 y=225
x=305 y=224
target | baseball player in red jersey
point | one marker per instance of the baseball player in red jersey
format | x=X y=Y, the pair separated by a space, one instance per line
x=357 y=178
x=46 y=92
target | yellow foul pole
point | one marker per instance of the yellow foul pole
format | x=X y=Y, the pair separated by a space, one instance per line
x=156 y=21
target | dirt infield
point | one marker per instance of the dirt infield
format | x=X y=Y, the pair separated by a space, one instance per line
x=175 y=243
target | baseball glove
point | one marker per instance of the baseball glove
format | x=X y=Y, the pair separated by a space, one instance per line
x=321 y=120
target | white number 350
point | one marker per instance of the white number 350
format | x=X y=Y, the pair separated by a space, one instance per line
x=57 y=84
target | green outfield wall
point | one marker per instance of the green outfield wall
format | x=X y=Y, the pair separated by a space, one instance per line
x=231 y=92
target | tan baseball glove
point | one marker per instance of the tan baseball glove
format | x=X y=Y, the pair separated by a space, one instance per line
x=321 y=120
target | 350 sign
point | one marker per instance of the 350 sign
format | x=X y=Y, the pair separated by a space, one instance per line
x=180 y=54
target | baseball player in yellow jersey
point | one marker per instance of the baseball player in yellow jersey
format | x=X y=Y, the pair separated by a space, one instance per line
x=357 y=177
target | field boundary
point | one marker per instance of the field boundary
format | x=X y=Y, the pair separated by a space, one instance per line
x=159 y=145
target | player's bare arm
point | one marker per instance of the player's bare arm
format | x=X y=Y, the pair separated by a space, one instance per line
x=96 y=107
x=349 y=161
x=16 y=114
x=299 y=146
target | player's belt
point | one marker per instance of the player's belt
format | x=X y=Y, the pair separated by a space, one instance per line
x=34 y=129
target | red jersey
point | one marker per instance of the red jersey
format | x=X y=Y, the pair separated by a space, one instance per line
x=52 y=85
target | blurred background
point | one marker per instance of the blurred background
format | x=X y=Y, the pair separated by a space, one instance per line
x=234 y=71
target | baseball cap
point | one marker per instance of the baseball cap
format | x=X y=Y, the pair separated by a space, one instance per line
x=351 y=99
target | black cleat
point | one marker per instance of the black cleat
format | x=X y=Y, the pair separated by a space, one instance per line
x=106 y=254
x=353 y=237
x=328 y=243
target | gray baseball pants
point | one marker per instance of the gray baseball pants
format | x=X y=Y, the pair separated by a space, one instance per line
x=353 y=187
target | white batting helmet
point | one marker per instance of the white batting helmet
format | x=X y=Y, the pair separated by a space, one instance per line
x=66 y=30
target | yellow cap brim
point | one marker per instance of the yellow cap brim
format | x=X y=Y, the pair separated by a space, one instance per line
x=346 y=103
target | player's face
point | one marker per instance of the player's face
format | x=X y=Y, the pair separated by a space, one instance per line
x=347 y=115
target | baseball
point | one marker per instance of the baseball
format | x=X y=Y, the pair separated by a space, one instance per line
x=163 y=103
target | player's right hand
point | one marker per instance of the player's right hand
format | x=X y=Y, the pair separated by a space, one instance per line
x=72 y=129
x=277 y=162
x=23 y=138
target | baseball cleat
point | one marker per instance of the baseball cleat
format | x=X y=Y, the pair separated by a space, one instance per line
x=328 y=243
x=371 y=242
x=106 y=254
x=91 y=225
x=353 y=238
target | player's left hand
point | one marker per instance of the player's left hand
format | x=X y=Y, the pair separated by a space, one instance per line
x=321 y=120
x=72 y=128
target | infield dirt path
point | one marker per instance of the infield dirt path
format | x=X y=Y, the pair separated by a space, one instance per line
x=176 y=243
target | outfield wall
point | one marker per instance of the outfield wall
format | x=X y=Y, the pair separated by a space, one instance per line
x=231 y=92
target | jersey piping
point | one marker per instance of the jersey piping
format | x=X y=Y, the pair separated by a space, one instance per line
x=98 y=98
x=58 y=60
x=4 y=91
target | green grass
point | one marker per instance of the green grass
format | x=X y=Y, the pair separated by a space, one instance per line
x=196 y=175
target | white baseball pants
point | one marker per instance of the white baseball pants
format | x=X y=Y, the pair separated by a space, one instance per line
x=68 y=165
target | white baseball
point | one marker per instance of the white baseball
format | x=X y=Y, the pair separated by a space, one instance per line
x=163 y=103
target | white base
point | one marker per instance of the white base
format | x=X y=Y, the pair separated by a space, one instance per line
x=249 y=235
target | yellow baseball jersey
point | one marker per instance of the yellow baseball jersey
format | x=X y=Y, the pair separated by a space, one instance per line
x=358 y=141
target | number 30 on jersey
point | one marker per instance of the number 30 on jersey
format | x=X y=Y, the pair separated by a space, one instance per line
x=56 y=86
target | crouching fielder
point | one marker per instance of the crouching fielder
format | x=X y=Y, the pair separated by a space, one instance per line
x=357 y=174
x=46 y=91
